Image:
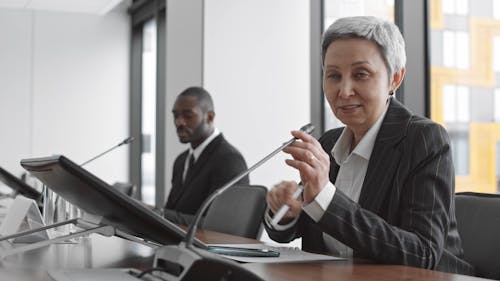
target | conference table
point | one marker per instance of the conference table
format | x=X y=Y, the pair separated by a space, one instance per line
x=97 y=251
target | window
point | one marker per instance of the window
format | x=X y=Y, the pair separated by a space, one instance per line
x=456 y=103
x=457 y=7
x=465 y=96
x=496 y=9
x=459 y=140
x=147 y=100
x=456 y=49
x=496 y=53
x=148 y=112
x=496 y=106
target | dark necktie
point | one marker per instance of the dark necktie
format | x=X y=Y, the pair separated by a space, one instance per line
x=190 y=167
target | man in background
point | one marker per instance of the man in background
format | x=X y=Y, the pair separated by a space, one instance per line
x=208 y=163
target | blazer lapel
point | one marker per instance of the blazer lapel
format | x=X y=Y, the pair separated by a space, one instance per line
x=203 y=159
x=385 y=157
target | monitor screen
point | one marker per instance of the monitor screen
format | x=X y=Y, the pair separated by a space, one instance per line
x=18 y=185
x=96 y=197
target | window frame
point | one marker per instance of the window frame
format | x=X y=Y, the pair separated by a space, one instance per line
x=140 y=12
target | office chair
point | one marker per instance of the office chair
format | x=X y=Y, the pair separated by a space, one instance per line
x=238 y=211
x=478 y=222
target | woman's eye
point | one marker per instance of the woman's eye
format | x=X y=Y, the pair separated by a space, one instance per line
x=361 y=75
x=334 y=76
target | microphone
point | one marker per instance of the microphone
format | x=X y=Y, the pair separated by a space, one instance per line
x=182 y=259
x=125 y=141
x=192 y=230
x=55 y=210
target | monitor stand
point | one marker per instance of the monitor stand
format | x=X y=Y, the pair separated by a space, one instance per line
x=86 y=227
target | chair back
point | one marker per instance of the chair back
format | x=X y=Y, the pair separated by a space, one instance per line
x=478 y=222
x=238 y=211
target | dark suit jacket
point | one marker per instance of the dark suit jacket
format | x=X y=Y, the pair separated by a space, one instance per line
x=406 y=213
x=217 y=165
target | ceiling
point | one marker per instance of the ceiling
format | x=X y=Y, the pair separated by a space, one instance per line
x=99 y=7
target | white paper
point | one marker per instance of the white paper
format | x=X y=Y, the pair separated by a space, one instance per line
x=287 y=254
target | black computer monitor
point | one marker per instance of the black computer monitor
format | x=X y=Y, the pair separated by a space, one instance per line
x=94 y=196
x=19 y=186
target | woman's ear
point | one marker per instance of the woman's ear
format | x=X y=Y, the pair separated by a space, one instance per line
x=397 y=78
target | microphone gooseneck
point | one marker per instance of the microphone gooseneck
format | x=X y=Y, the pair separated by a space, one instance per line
x=188 y=241
x=125 y=141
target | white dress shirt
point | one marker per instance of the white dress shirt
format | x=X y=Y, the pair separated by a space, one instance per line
x=353 y=166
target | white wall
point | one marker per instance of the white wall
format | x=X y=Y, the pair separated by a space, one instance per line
x=64 y=86
x=184 y=68
x=256 y=65
x=15 y=88
x=257 y=68
x=64 y=80
x=255 y=62
x=254 y=57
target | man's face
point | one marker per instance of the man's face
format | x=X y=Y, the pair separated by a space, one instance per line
x=193 y=125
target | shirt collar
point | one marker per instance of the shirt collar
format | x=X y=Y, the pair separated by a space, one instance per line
x=199 y=149
x=340 y=150
x=364 y=148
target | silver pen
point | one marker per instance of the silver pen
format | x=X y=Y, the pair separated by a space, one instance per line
x=282 y=211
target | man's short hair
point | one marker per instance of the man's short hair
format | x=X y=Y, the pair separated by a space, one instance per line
x=204 y=99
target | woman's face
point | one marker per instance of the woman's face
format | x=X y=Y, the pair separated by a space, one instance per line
x=355 y=82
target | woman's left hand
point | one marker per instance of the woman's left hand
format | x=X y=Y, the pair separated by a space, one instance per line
x=312 y=162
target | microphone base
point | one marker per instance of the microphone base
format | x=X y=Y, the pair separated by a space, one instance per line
x=184 y=264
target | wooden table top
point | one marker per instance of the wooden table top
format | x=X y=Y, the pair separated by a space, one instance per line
x=113 y=252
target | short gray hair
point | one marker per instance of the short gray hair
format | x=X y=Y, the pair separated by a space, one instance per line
x=383 y=33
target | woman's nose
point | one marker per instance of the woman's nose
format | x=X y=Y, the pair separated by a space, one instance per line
x=346 y=89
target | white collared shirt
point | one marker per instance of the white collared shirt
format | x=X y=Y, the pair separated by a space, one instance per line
x=353 y=166
x=198 y=150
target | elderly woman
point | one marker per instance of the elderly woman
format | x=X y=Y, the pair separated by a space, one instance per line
x=382 y=187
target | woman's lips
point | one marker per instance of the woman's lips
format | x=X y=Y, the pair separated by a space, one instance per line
x=349 y=107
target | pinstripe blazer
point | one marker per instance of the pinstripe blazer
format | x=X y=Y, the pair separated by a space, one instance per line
x=406 y=213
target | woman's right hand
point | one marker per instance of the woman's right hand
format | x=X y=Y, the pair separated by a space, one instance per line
x=280 y=195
